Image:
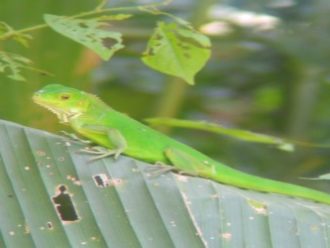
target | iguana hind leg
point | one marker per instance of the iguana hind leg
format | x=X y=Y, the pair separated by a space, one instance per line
x=187 y=164
x=159 y=168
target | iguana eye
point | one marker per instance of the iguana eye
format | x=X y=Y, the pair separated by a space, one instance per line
x=65 y=96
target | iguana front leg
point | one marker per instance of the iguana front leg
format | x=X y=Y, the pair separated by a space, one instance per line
x=115 y=138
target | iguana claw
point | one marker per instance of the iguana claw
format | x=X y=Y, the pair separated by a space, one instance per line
x=102 y=152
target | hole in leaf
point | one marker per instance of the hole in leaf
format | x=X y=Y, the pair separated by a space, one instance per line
x=64 y=205
x=108 y=42
x=101 y=180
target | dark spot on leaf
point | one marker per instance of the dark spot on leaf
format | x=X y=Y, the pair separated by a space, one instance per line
x=183 y=46
x=186 y=55
x=82 y=25
x=64 y=204
x=158 y=37
x=50 y=225
x=157 y=44
x=190 y=41
x=150 y=52
x=44 y=74
x=10 y=195
x=108 y=42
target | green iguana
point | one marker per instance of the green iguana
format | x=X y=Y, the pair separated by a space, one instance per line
x=92 y=118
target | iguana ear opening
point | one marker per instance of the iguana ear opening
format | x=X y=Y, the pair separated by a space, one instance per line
x=65 y=96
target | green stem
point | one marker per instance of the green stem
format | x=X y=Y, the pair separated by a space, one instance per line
x=171 y=101
x=303 y=96
x=96 y=11
x=101 y=4
x=9 y=34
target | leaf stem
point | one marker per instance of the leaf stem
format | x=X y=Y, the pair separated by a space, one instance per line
x=172 y=99
x=96 y=11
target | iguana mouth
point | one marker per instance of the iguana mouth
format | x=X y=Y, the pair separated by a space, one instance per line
x=63 y=116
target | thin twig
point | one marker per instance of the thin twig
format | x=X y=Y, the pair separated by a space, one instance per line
x=96 y=11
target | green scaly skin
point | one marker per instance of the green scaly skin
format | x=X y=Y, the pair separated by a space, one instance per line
x=92 y=118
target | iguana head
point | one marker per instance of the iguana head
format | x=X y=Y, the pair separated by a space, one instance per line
x=65 y=102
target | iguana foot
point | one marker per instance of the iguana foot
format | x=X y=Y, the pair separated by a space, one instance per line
x=102 y=152
x=159 y=168
x=75 y=137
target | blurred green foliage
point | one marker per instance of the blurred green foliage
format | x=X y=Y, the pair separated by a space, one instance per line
x=268 y=73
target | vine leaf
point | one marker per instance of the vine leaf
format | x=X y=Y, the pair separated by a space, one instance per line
x=177 y=50
x=13 y=63
x=118 y=17
x=91 y=33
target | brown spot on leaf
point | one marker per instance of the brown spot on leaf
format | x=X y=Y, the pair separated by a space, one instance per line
x=188 y=40
x=82 y=25
x=186 y=55
x=41 y=153
x=158 y=37
x=50 y=225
